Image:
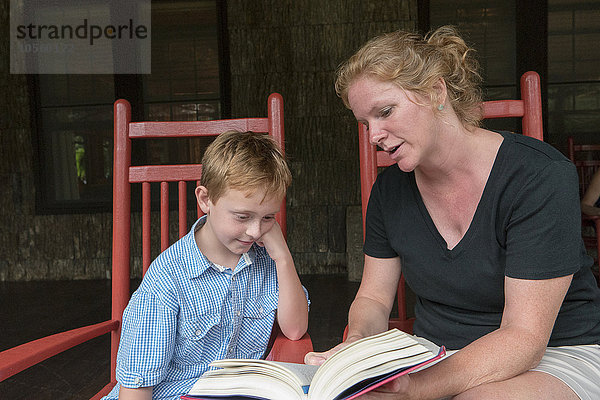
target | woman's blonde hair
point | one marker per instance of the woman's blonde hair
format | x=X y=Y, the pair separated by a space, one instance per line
x=245 y=161
x=415 y=63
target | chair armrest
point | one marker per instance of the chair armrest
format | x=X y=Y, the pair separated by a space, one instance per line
x=19 y=358
x=283 y=349
x=292 y=351
x=104 y=391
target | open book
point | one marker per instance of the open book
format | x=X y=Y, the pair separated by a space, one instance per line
x=356 y=369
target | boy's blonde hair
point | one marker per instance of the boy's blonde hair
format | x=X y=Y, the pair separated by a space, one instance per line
x=415 y=63
x=245 y=161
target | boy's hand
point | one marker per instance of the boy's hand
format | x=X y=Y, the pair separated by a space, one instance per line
x=275 y=244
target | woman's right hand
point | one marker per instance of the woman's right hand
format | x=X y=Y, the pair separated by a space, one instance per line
x=318 y=358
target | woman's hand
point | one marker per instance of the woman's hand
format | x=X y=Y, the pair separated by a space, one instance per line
x=397 y=389
x=318 y=358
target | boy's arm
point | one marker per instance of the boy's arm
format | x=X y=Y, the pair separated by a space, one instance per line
x=292 y=307
x=147 y=344
x=143 y=393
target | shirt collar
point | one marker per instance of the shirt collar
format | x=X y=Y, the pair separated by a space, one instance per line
x=199 y=263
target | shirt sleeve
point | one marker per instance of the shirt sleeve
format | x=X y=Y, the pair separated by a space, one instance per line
x=544 y=228
x=147 y=341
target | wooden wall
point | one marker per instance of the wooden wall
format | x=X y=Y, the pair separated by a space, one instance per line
x=294 y=47
x=291 y=47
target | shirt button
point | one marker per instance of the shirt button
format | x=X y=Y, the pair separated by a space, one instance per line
x=138 y=380
x=198 y=332
x=238 y=313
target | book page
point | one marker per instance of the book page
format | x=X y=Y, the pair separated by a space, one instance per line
x=245 y=385
x=362 y=365
x=364 y=359
x=256 y=378
x=299 y=374
x=341 y=383
x=363 y=348
x=305 y=373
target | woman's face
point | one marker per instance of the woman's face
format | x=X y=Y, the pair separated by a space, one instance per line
x=398 y=122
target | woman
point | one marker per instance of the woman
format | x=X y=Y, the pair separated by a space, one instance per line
x=590 y=203
x=485 y=226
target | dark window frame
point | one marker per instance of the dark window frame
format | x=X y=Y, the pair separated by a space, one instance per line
x=531 y=18
x=127 y=86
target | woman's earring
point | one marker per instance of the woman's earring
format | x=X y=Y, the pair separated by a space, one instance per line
x=440 y=107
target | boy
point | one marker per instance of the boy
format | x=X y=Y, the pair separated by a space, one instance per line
x=216 y=292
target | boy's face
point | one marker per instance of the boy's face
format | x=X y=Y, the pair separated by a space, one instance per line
x=236 y=220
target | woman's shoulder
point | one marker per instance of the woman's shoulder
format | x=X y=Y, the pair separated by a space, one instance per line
x=526 y=156
x=523 y=160
x=523 y=146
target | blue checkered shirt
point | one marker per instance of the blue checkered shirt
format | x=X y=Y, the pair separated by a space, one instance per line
x=188 y=312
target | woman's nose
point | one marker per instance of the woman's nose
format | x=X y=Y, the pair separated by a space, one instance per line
x=376 y=135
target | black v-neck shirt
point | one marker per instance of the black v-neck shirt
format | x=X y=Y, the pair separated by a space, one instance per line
x=527 y=226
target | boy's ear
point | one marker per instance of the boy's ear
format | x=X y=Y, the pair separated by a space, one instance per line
x=202 y=198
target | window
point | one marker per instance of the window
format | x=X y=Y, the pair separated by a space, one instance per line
x=75 y=112
x=572 y=57
x=573 y=78
x=489 y=27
